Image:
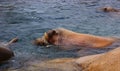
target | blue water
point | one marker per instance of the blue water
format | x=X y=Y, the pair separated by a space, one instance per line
x=29 y=19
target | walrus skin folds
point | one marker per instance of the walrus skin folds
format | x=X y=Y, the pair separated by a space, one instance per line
x=64 y=37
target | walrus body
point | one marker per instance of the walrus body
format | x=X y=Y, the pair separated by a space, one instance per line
x=64 y=37
x=6 y=53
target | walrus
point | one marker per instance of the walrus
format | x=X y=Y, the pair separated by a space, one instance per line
x=5 y=52
x=110 y=9
x=64 y=37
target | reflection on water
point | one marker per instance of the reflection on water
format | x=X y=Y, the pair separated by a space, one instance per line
x=29 y=19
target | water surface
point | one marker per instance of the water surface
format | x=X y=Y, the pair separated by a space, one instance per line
x=29 y=19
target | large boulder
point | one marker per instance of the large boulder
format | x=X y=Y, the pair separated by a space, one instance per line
x=109 y=61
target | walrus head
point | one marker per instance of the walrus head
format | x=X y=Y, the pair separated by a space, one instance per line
x=50 y=37
x=5 y=54
x=109 y=9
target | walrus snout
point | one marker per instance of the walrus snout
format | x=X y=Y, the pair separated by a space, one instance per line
x=40 y=41
x=5 y=54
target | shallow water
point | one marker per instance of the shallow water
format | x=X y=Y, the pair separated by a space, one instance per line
x=29 y=19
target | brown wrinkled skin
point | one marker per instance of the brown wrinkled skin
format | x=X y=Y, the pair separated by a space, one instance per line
x=69 y=38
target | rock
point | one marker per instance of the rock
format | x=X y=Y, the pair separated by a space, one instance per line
x=109 y=61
